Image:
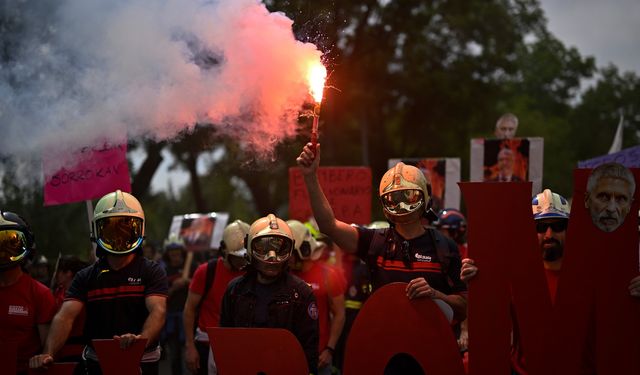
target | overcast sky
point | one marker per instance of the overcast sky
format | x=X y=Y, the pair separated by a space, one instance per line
x=609 y=30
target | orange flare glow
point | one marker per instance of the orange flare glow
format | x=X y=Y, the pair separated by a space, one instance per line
x=317 y=76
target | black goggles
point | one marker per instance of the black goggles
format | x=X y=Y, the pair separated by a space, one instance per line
x=556 y=226
x=272 y=248
x=13 y=246
x=402 y=201
x=119 y=234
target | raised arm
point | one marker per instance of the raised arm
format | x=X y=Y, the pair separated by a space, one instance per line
x=344 y=235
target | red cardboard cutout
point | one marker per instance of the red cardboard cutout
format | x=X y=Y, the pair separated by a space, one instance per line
x=116 y=361
x=9 y=357
x=348 y=190
x=62 y=368
x=250 y=351
x=389 y=323
x=503 y=243
x=97 y=172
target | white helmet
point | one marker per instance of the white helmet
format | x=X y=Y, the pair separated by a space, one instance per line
x=305 y=245
x=550 y=205
x=233 y=239
x=118 y=223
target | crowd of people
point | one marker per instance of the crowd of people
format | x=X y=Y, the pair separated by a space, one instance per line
x=309 y=278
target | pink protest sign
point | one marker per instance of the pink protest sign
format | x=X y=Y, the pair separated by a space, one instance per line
x=348 y=190
x=97 y=171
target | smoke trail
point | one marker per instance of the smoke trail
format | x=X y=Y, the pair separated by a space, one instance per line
x=81 y=72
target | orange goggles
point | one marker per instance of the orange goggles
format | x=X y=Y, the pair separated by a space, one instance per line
x=119 y=234
x=13 y=246
x=402 y=201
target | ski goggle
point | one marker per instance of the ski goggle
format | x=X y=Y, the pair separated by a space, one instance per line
x=556 y=226
x=401 y=202
x=13 y=246
x=119 y=234
x=272 y=248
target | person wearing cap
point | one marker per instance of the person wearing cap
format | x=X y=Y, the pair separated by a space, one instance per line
x=551 y=214
x=268 y=295
x=202 y=308
x=408 y=251
x=328 y=286
x=123 y=293
x=26 y=306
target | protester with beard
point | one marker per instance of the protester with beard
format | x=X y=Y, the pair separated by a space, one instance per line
x=124 y=294
x=609 y=195
x=407 y=252
x=551 y=214
x=268 y=295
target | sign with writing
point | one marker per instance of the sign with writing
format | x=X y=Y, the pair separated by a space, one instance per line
x=443 y=174
x=348 y=190
x=98 y=171
x=201 y=232
x=629 y=157
x=507 y=160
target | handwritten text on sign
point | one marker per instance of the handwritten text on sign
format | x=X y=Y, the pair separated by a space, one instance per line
x=97 y=172
x=348 y=190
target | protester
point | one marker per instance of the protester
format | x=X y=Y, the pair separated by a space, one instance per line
x=551 y=213
x=506 y=126
x=268 y=295
x=609 y=195
x=39 y=270
x=205 y=296
x=26 y=306
x=124 y=294
x=452 y=224
x=408 y=251
x=173 y=335
x=328 y=286
x=506 y=163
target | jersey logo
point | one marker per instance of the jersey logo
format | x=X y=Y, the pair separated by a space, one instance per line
x=312 y=310
x=423 y=258
x=18 y=310
x=134 y=280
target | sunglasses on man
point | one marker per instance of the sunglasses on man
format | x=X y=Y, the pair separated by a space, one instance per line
x=556 y=226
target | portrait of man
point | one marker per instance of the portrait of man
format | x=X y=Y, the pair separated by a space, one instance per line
x=506 y=126
x=609 y=195
x=506 y=160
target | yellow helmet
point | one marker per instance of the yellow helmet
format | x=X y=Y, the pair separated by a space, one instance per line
x=233 y=239
x=118 y=223
x=305 y=244
x=270 y=240
x=403 y=190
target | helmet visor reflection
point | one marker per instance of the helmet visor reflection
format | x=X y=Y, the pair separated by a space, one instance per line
x=272 y=248
x=119 y=234
x=402 y=201
x=13 y=246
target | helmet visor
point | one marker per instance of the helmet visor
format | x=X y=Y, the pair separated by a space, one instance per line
x=272 y=248
x=13 y=246
x=119 y=234
x=401 y=202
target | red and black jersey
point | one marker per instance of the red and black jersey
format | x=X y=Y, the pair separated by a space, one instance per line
x=115 y=299
x=395 y=259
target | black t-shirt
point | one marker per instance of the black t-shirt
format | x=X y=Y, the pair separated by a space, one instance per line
x=115 y=300
x=405 y=260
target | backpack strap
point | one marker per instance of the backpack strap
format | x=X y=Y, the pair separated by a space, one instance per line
x=208 y=283
x=442 y=249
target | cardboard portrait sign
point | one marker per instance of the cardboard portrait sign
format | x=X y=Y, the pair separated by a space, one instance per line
x=443 y=174
x=200 y=232
x=348 y=190
x=390 y=324
x=271 y=351
x=96 y=172
x=507 y=160
x=116 y=361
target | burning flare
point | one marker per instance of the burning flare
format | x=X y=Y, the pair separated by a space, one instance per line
x=317 y=76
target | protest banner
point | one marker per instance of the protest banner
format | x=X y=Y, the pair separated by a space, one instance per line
x=200 y=232
x=443 y=174
x=348 y=190
x=508 y=160
x=96 y=172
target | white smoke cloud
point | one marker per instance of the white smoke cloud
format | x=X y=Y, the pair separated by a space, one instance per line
x=81 y=72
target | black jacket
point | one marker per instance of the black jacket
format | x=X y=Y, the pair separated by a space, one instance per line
x=292 y=306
